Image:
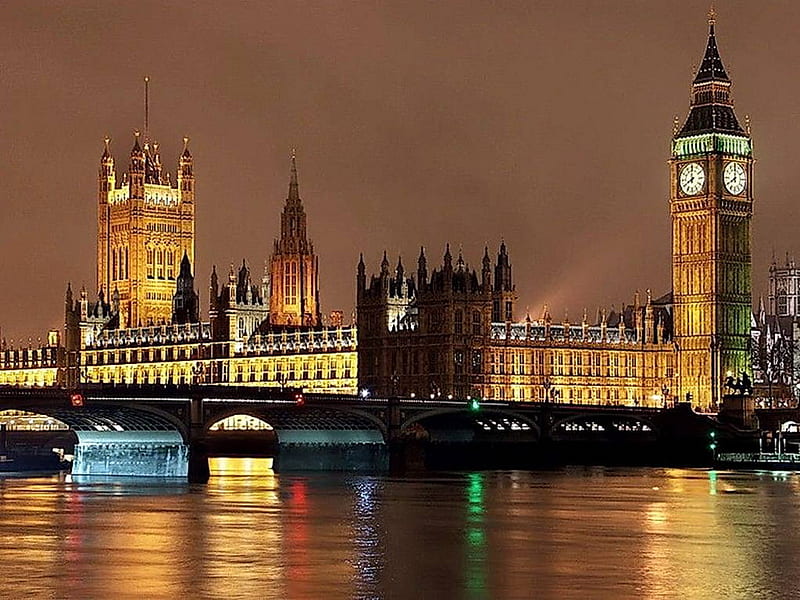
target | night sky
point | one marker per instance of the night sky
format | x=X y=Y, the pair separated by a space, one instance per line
x=546 y=124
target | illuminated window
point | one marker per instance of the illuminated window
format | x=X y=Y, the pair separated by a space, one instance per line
x=290 y=282
x=159 y=264
x=150 y=263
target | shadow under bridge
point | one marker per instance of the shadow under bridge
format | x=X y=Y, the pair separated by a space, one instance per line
x=300 y=438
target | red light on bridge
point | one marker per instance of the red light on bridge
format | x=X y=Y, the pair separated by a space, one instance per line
x=76 y=399
x=299 y=400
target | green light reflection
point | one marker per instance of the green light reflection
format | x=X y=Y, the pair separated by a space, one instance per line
x=475 y=538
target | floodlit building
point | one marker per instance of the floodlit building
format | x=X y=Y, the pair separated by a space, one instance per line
x=448 y=332
x=268 y=333
x=453 y=334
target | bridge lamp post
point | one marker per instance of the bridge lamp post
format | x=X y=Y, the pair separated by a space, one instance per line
x=547 y=384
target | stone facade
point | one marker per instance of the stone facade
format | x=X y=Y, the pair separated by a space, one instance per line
x=440 y=336
x=145 y=225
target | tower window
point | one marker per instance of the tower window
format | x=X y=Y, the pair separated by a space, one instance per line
x=290 y=283
x=150 y=263
x=159 y=264
x=170 y=264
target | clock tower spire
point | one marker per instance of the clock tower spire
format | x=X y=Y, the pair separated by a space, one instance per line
x=711 y=205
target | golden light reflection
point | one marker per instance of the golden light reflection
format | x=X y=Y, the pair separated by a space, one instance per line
x=227 y=466
x=691 y=508
x=243 y=529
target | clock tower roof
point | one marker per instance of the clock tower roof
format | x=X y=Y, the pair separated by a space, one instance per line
x=711 y=107
x=711 y=68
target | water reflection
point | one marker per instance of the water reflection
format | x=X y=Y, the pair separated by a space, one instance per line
x=475 y=542
x=242 y=530
x=368 y=536
x=251 y=533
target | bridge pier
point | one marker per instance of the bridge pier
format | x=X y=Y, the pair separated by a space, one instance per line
x=130 y=454
x=198 y=470
x=331 y=450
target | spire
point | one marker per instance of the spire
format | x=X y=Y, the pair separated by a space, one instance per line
x=294 y=190
x=214 y=286
x=146 y=109
x=460 y=262
x=137 y=149
x=106 y=150
x=422 y=269
x=186 y=154
x=361 y=271
x=711 y=68
x=711 y=106
x=186 y=266
x=385 y=264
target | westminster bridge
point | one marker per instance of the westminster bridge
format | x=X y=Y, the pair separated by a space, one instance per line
x=170 y=430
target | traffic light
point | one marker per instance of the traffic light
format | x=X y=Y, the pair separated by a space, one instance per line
x=474 y=405
x=712 y=444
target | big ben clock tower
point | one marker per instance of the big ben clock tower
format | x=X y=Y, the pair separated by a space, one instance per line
x=711 y=204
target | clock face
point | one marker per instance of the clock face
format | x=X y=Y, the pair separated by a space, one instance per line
x=692 y=179
x=735 y=178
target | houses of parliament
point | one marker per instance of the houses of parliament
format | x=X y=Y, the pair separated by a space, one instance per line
x=431 y=330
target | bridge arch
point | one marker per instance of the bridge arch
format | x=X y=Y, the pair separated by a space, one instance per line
x=240 y=422
x=107 y=417
x=287 y=417
x=119 y=440
x=602 y=424
x=790 y=427
x=483 y=422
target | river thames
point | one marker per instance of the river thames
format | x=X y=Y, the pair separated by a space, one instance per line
x=251 y=533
